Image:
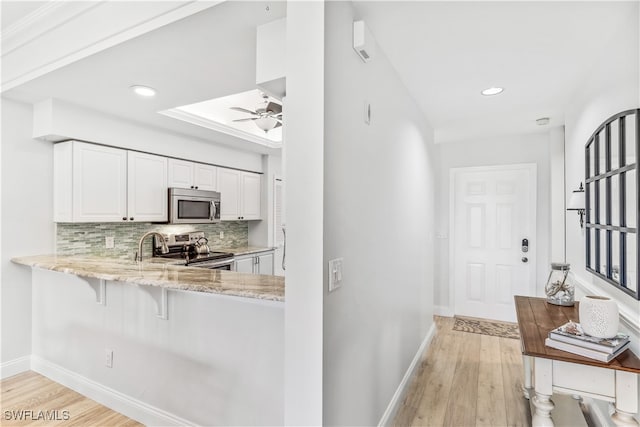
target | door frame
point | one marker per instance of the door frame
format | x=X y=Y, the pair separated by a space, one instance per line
x=533 y=181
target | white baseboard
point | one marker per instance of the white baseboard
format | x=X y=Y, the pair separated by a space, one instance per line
x=392 y=408
x=441 y=310
x=15 y=366
x=126 y=405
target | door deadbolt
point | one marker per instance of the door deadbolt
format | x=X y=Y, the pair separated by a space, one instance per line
x=525 y=245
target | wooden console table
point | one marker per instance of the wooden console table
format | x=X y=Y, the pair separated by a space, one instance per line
x=549 y=370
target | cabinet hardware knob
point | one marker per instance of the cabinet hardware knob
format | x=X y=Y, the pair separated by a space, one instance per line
x=196 y=187
x=131 y=218
x=124 y=218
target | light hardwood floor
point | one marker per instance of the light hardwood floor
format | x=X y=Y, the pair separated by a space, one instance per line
x=466 y=379
x=26 y=395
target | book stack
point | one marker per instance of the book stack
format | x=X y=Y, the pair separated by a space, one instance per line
x=570 y=337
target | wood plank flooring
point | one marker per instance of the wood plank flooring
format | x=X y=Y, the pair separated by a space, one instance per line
x=30 y=399
x=466 y=379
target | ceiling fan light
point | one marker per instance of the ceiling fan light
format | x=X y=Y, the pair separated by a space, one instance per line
x=266 y=123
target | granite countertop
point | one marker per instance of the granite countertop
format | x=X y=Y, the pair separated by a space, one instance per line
x=163 y=275
x=245 y=250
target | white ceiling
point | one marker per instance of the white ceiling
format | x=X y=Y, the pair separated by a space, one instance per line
x=539 y=51
x=445 y=53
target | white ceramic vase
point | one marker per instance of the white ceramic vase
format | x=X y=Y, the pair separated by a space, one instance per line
x=599 y=316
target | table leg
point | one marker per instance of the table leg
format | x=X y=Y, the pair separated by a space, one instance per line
x=626 y=399
x=543 y=383
x=526 y=388
x=542 y=414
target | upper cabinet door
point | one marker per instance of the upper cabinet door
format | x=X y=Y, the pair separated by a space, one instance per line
x=180 y=173
x=251 y=190
x=147 y=192
x=205 y=177
x=229 y=188
x=99 y=183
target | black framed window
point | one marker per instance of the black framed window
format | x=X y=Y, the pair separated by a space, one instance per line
x=611 y=201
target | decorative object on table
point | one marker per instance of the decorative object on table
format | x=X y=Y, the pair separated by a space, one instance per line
x=599 y=316
x=586 y=352
x=486 y=327
x=572 y=333
x=559 y=290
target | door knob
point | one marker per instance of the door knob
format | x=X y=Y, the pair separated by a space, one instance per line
x=525 y=259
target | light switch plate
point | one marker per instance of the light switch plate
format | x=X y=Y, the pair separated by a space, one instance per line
x=109 y=242
x=335 y=273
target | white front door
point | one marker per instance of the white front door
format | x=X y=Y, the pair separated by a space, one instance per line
x=493 y=211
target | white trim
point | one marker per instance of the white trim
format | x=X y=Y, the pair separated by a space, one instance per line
x=15 y=366
x=396 y=400
x=126 y=405
x=533 y=181
x=65 y=14
x=628 y=317
x=444 y=311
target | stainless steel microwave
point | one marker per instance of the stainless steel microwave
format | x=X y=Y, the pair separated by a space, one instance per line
x=193 y=206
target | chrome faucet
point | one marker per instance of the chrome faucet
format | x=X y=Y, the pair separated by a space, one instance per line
x=163 y=248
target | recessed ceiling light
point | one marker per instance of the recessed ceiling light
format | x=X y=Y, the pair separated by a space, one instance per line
x=492 y=91
x=143 y=90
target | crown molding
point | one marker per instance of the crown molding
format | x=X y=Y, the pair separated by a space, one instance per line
x=219 y=127
x=47 y=17
x=49 y=37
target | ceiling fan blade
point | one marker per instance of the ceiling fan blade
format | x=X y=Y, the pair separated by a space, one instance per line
x=244 y=110
x=245 y=120
x=274 y=107
x=278 y=125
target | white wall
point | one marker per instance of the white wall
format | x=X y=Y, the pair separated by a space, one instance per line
x=303 y=167
x=608 y=90
x=27 y=227
x=216 y=360
x=532 y=148
x=378 y=216
x=56 y=117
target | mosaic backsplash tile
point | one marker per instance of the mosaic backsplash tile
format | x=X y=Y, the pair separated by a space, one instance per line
x=89 y=238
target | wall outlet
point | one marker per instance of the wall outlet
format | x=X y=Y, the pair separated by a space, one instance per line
x=108 y=358
x=335 y=274
x=109 y=242
x=222 y=234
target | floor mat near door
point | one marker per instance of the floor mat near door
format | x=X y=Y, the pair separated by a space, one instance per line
x=486 y=327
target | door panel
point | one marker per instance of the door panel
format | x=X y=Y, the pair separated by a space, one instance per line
x=493 y=210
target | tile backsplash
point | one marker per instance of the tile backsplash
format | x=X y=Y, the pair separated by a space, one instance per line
x=89 y=238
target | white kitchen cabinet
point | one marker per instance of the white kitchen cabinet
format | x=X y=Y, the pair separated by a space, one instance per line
x=199 y=176
x=94 y=183
x=257 y=263
x=245 y=264
x=147 y=187
x=240 y=194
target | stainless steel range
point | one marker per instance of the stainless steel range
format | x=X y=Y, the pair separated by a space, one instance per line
x=191 y=249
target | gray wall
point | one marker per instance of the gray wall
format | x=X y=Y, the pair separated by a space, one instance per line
x=378 y=216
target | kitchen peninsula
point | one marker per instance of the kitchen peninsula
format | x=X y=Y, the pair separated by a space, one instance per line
x=164 y=275
x=163 y=344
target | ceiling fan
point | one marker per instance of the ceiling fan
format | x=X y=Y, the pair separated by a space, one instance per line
x=268 y=114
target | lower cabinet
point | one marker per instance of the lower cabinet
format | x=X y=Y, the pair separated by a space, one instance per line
x=259 y=263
